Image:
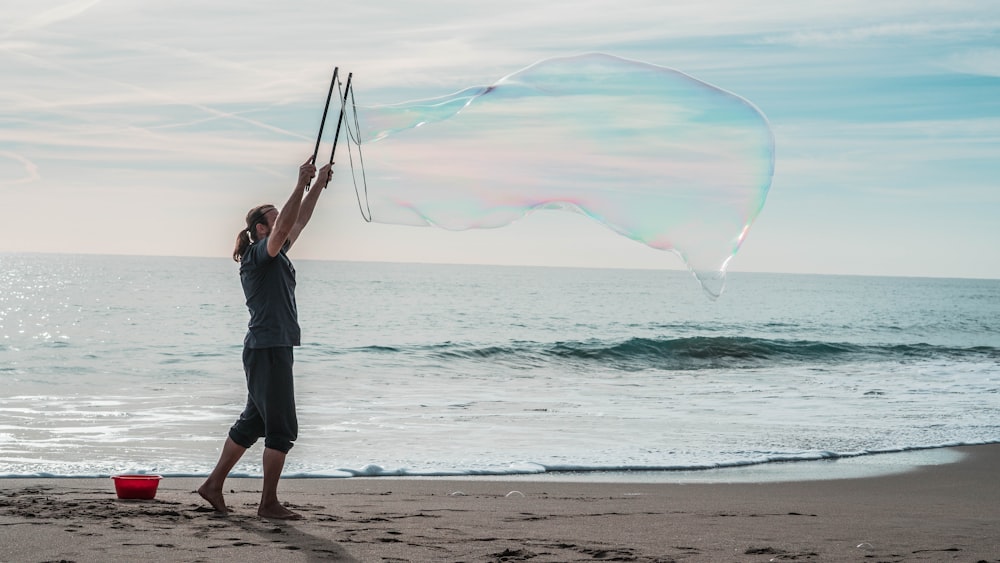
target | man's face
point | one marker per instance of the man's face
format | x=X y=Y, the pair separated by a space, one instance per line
x=267 y=223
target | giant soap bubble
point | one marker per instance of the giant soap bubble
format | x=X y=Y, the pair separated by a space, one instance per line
x=652 y=153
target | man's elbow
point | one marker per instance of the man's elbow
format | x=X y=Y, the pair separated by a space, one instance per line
x=281 y=232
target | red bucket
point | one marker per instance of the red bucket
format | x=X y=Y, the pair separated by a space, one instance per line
x=136 y=486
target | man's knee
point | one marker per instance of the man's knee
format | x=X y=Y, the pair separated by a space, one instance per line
x=242 y=438
x=279 y=443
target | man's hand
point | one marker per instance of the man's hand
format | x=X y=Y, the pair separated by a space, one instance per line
x=324 y=176
x=306 y=173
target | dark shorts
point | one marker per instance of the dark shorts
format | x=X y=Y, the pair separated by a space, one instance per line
x=270 y=410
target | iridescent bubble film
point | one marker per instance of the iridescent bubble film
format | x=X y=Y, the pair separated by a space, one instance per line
x=650 y=152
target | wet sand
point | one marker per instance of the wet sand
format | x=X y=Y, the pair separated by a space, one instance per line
x=948 y=512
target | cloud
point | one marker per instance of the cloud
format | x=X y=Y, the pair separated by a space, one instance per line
x=886 y=31
x=983 y=62
x=16 y=169
x=929 y=160
x=45 y=18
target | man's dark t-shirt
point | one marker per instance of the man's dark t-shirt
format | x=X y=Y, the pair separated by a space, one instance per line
x=269 y=286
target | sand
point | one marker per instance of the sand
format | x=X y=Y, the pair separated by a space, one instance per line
x=945 y=512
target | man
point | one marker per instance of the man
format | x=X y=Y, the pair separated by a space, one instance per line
x=268 y=279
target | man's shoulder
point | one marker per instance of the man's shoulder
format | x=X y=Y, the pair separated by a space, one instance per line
x=255 y=255
x=259 y=251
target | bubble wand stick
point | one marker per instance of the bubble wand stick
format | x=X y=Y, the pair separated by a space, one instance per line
x=326 y=108
x=343 y=108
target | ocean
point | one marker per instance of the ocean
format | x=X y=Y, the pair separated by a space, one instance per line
x=114 y=364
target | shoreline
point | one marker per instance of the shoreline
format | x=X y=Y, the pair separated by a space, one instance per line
x=847 y=467
x=835 y=467
x=930 y=513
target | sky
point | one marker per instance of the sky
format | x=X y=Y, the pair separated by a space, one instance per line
x=134 y=127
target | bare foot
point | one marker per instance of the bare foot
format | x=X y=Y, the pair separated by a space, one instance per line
x=277 y=512
x=214 y=497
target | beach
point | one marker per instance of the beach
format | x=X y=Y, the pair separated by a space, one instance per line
x=478 y=413
x=945 y=512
